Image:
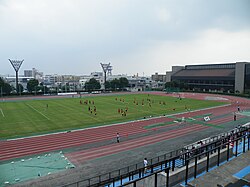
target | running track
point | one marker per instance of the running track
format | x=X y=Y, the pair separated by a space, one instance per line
x=36 y=145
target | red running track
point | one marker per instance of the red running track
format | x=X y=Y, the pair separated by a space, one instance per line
x=81 y=156
x=37 y=145
x=40 y=144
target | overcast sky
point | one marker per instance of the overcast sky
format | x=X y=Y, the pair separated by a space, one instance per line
x=135 y=36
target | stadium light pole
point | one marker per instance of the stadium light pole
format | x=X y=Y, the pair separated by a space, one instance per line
x=16 y=65
x=105 y=68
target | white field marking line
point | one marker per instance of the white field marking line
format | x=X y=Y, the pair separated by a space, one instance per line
x=69 y=108
x=79 y=112
x=2 y=112
x=23 y=122
x=37 y=111
x=191 y=118
x=113 y=124
x=63 y=106
x=98 y=120
x=57 y=103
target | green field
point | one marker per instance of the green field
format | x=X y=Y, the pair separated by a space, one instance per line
x=30 y=117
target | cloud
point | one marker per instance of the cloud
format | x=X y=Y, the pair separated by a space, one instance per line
x=163 y=14
x=211 y=46
x=74 y=36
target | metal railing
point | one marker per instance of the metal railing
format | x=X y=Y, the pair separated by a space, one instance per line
x=171 y=161
x=211 y=155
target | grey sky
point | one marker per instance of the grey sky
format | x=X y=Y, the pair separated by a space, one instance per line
x=136 y=36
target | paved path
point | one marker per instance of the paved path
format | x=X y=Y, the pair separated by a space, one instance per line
x=235 y=173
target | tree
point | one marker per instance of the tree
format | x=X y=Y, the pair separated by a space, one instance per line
x=107 y=85
x=32 y=85
x=176 y=85
x=115 y=83
x=20 y=88
x=43 y=88
x=65 y=88
x=92 y=84
x=5 y=87
x=1 y=81
x=120 y=83
x=123 y=82
x=173 y=84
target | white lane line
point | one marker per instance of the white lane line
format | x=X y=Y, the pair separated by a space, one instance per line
x=2 y=112
x=37 y=111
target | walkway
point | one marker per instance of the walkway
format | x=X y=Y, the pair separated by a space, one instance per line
x=235 y=173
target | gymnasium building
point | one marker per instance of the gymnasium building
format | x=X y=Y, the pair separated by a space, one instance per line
x=229 y=77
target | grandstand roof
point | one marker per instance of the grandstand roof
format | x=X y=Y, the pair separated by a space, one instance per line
x=205 y=73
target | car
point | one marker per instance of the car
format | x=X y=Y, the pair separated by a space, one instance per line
x=96 y=92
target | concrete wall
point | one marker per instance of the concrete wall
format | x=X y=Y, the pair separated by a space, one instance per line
x=177 y=68
x=168 y=76
x=239 y=76
x=179 y=174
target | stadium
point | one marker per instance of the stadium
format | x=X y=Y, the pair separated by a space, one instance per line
x=109 y=93
x=72 y=140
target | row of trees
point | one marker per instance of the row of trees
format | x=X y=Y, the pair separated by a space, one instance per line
x=91 y=85
x=5 y=87
x=176 y=84
x=115 y=84
x=33 y=85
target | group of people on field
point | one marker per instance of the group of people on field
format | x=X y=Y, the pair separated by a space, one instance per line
x=123 y=112
x=91 y=109
x=86 y=102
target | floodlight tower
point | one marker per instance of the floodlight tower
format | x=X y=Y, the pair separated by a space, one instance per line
x=16 y=65
x=109 y=68
x=105 y=69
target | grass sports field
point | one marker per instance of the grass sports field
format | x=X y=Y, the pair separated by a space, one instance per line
x=30 y=117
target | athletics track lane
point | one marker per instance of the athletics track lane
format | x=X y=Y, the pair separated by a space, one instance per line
x=35 y=145
x=81 y=156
